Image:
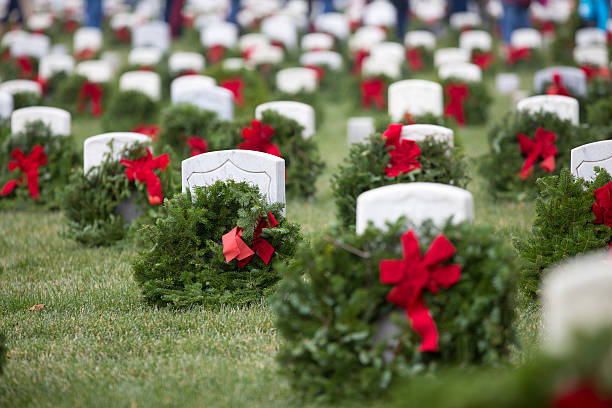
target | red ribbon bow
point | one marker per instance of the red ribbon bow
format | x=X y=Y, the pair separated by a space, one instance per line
x=602 y=207
x=543 y=145
x=215 y=53
x=142 y=170
x=457 y=93
x=483 y=59
x=42 y=82
x=414 y=58
x=257 y=138
x=320 y=71
x=412 y=275
x=592 y=72
x=85 y=54
x=235 y=247
x=547 y=27
x=359 y=56
x=149 y=130
x=70 y=26
x=518 y=54
x=582 y=395
x=408 y=119
x=372 y=93
x=235 y=85
x=93 y=92
x=198 y=145
x=26 y=66
x=557 y=87
x=122 y=34
x=29 y=166
x=404 y=154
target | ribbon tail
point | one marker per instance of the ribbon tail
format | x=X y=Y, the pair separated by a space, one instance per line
x=33 y=183
x=8 y=187
x=154 y=189
x=264 y=250
x=424 y=325
x=235 y=247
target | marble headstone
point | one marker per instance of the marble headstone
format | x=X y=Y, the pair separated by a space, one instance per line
x=359 y=129
x=58 y=120
x=300 y=112
x=585 y=158
x=563 y=106
x=573 y=78
x=414 y=96
x=97 y=147
x=149 y=83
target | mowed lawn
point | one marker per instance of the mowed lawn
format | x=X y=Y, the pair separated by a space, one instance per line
x=96 y=343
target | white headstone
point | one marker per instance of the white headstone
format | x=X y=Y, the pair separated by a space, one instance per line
x=87 y=38
x=576 y=297
x=185 y=61
x=429 y=11
x=212 y=98
x=255 y=168
x=52 y=64
x=13 y=36
x=464 y=19
x=282 y=29
x=294 y=80
x=32 y=45
x=420 y=38
x=182 y=88
x=373 y=66
x=267 y=54
x=97 y=71
x=58 y=120
x=390 y=51
x=153 y=34
x=366 y=37
x=336 y=24
x=121 y=20
x=416 y=201
x=252 y=41
x=6 y=104
x=96 y=147
x=475 y=40
x=329 y=59
x=221 y=33
x=359 y=129
x=21 y=85
x=450 y=56
x=379 y=13
x=563 y=106
x=145 y=56
x=420 y=132
x=586 y=157
x=462 y=71
x=526 y=38
x=40 y=21
x=149 y=83
x=114 y=59
x=573 y=78
x=507 y=83
x=300 y=112
x=588 y=36
x=414 y=96
x=593 y=55
x=317 y=41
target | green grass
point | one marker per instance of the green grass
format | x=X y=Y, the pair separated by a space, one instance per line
x=97 y=344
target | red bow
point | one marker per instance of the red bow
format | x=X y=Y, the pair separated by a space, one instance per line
x=595 y=72
x=122 y=34
x=26 y=66
x=456 y=93
x=582 y=395
x=415 y=61
x=70 y=26
x=92 y=91
x=404 y=154
x=198 y=145
x=359 y=56
x=412 y=275
x=29 y=166
x=602 y=207
x=142 y=171
x=149 y=130
x=517 y=54
x=543 y=145
x=320 y=71
x=235 y=85
x=235 y=247
x=85 y=54
x=42 y=82
x=372 y=92
x=257 y=138
x=215 y=53
x=557 y=88
x=547 y=27
x=483 y=59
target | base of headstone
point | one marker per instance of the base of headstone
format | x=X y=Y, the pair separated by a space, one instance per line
x=387 y=331
x=128 y=209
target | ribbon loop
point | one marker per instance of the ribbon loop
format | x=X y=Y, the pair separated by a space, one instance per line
x=405 y=153
x=457 y=94
x=235 y=85
x=142 y=170
x=415 y=59
x=93 y=92
x=235 y=248
x=541 y=146
x=29 y=166
x=372 y=93
x=257 y=138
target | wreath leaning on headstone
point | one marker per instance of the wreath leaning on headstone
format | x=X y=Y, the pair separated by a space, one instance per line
x=100 y=206
x=526 y=146
x=572 y=216
x=128 y=109
x=36 y=165
x=78 y=95
x=347 y=303
x=384 y=160
x=466 y=102
x=215 y=247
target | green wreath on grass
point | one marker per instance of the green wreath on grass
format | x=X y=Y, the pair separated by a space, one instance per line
x=184 y=263
x=25 y=99
x=364 y=170
x=129 y=109
x=331 y=305
x=68 y=90
x=566 y=224
x=501 y=167
x=91 y=202
x=477 y=103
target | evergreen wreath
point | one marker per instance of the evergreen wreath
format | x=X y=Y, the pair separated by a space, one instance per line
x=382 y=120
x=369 y=92
x=181 y=123
x=54 y=82
x=502 y=165
x=128 y=109
x=185 y=263
x=419 y=58
x=487 y=61
x=476 y=103
x=90 y=200
x=24 y=67
x=565 y=223
x=563 y=43
x=25 y=99
x=364 y=170
x=60 y=158
x=68 y=91
x=331 y=304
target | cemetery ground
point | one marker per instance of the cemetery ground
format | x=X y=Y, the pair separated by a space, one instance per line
x=97 y=343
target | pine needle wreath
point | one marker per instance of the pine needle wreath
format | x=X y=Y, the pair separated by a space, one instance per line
x=364 y=170
x=90 y=202
x=67 y=94
x=563 y=226
x=185 y=265
x=331 y=303
x=62 y=158
x=128 y=109
x=25 y=99
x=476 y=105
x=501 y=166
